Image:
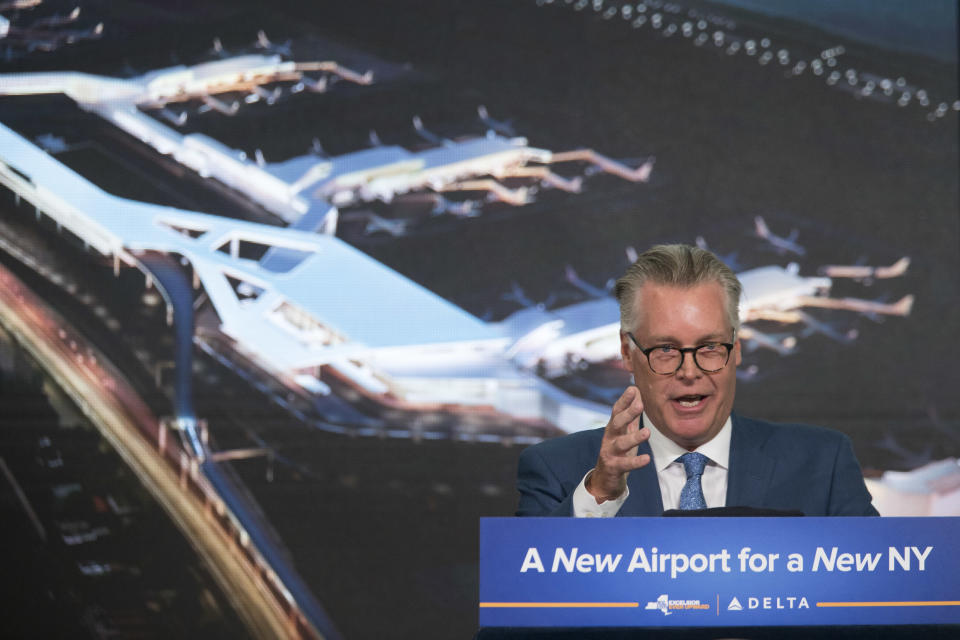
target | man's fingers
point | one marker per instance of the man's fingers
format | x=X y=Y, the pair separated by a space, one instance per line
x=626 y=410
x=630 y=463
x=621 y=422
x=618 y=451
x=624 y=400
x=620 y=466
x=628 y=441
x=638 y=461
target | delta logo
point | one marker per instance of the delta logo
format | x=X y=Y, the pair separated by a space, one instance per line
x=768 y=603
x=666 y=606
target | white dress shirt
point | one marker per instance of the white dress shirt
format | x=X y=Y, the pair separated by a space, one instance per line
x=670 y=474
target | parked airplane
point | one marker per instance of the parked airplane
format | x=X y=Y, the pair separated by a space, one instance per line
x=503 y=127
x=519 y=296
x=783 y=343
x=427 y=135
x=593 y=291
x=729 y=259
x=263 y=42
x=781 y=244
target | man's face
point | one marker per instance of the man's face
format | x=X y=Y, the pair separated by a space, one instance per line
x=689 y=406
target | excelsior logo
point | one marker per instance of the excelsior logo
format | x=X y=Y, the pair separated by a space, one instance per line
x=667 y=606
x=660 y=604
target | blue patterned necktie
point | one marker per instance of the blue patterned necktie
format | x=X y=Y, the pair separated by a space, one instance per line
x=691 y=497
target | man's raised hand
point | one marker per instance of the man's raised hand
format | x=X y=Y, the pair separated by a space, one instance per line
x=618 y=450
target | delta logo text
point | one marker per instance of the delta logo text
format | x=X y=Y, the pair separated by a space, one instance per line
x=769 y=603
x=666 y=606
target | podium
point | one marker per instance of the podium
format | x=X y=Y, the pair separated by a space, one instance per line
x=670 y=577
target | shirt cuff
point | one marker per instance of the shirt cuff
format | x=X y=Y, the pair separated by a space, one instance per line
x=585 y=505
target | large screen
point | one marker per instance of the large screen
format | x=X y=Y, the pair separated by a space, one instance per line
x=339 y=262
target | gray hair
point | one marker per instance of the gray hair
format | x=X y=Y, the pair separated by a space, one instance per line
x=677 y=265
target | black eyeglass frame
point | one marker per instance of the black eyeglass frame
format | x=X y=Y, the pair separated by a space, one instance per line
x=683 y=352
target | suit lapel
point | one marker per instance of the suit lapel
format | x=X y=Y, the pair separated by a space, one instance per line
x=644 y=499
x=751 y=470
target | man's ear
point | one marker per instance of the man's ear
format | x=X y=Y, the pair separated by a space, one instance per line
x=625 y=349
x=737 y=358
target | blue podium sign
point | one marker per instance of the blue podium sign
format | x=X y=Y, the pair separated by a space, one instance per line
x=705 y=572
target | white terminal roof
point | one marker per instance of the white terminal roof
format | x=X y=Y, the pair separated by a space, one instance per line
x=362 y=300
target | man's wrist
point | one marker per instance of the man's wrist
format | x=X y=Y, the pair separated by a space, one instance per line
x=585 y=505
x=604 y=496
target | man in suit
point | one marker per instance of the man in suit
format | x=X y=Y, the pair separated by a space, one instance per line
x=672 y=440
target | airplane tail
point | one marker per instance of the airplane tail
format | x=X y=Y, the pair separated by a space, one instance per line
x=761 y=227
x=424 y=133
x=503 y=128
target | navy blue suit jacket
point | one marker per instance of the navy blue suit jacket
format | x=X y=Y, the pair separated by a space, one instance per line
x=772 y=466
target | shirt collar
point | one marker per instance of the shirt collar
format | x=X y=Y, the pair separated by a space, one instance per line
x=666 y=451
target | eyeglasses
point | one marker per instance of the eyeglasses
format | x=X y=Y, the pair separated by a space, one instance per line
x=666 y=359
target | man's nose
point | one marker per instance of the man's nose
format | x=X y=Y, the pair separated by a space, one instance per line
x=688 y=366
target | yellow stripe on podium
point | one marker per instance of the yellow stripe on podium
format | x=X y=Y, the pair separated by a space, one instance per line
x=918 y=603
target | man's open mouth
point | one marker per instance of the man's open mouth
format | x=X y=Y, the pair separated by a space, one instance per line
x=690 y=401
